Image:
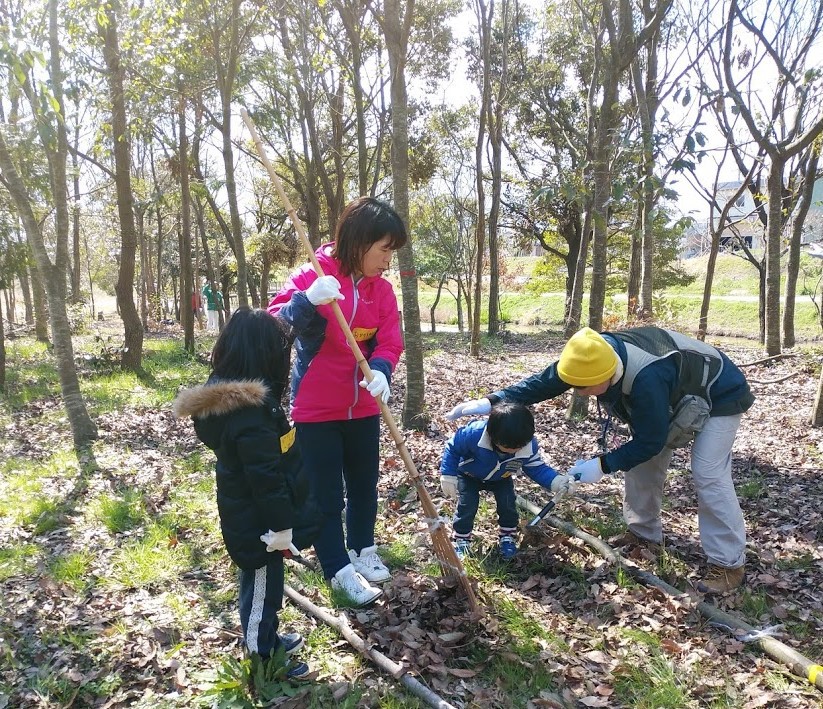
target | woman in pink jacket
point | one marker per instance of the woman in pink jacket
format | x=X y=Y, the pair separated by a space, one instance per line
x=333 y=407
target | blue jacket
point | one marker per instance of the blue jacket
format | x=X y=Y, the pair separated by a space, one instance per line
x=470 y=452
x=645 y=409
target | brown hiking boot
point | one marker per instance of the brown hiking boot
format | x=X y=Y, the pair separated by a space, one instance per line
x=720 y=579
x=630 y=539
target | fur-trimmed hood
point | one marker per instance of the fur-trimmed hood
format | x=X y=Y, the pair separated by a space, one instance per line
x=220 y=398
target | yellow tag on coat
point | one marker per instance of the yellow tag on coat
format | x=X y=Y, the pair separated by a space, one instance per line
x=363 y=333
x=287 y=440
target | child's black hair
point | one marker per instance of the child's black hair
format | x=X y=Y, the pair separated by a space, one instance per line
x=253 y=345
x=510 y=425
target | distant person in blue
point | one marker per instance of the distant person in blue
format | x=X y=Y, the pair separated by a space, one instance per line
x=670 y=389
x=485 y=455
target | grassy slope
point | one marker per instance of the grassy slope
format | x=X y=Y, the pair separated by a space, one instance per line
x=734 y=312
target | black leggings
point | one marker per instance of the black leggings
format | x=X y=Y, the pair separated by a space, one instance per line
x=342 y=459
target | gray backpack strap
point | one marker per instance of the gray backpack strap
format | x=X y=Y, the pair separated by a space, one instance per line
x=636 y=360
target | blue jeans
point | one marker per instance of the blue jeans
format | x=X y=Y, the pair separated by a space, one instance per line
x=469 y=489
x=342 y=459
x=261 y=597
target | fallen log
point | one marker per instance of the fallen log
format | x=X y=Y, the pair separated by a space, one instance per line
x=799 y=665
x=341 y=625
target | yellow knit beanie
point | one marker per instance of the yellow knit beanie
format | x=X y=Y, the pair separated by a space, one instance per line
x=587 y=359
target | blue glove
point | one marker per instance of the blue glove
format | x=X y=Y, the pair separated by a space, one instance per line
x=587 y=471
x=378 y=387
x=468 y=408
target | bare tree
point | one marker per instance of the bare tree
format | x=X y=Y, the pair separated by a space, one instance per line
x=107 y=27
x=485 y=17
x=397 y=23
x=778 y=40
x=51 y=129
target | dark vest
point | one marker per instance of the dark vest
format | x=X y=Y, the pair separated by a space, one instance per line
x=698 y=365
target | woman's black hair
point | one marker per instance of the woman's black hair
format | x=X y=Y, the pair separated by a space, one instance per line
x=253 y=345
x=364 y=222
x=510 y=425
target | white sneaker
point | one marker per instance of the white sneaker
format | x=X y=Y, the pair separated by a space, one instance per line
x=359 y=591
x=369 y=565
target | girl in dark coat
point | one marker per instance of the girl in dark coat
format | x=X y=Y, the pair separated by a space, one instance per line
x=260 y=483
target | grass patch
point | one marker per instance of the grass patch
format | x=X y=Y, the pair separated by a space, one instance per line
x=155 y=558
x=755 y=604
x=754 y=488
x=31 y=373
x=400 y=553
x=21 y=559
x=73 y=570
x=649 y=683
x=120 y=512
x=28 y=490
x=802 y=562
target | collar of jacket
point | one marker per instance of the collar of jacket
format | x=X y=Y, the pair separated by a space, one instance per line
x=220 y=397
x=486 y=442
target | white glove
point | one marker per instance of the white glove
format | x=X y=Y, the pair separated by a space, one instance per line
x=277 y=541
x=587 y=471
x=378 y=386
x=324 y=290
x=448 y=484
x=563 y=484
x=468 y=408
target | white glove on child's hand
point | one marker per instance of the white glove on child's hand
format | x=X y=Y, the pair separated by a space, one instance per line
x=448 y=484
x=277 y=541
x=378 y=386
x=324 y=290
x=564 y=484
x=469 y=408
x=587 y=471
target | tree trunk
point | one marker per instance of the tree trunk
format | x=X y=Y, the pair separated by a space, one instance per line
x=53 y=275
x=496 y=119
x=793 y=261
x=635 y=255
x=75 y=222
x=352 y=25
x=133 y=328
x=398 y=21
x=225 y=82
x=3 y=349
x=817 y=411
x=773 y=247
x=25 y=287
x=186 y=280
x=484 y=26
x=648 y=102
x=606 y=128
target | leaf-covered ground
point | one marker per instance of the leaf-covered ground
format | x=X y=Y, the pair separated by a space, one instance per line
x=561 y=626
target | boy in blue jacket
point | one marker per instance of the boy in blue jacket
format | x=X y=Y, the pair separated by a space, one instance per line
x=485 y=455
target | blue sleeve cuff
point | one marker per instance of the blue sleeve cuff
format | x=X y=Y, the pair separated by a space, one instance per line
x=381 y=365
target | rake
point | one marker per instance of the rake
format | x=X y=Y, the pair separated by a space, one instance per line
x=450 y=564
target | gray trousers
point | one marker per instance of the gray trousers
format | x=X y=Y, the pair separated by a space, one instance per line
x=722 y=529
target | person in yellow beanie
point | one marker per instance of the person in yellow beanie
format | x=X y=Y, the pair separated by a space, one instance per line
x=672 y=391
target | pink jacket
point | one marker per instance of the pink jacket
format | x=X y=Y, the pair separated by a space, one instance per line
x=325 y=376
